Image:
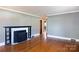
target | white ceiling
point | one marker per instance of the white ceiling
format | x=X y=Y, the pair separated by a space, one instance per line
x=44 y=10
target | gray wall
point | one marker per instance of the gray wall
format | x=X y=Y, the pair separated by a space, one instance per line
x=8 y=18
x=65 y=25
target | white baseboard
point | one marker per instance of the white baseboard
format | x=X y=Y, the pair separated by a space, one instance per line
x=54 y=36
x=77 y=40
x=62 y=37
x=3 y=43
x=36 y=34
x=59 y=37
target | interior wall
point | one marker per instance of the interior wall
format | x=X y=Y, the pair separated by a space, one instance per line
x=65 y=25
x=8 y=18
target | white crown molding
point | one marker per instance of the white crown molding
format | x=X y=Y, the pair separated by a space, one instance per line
x=25 y=13
x=8 y=9
x=63 y=13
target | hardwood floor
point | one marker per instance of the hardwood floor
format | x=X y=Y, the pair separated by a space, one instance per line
x=38 y=44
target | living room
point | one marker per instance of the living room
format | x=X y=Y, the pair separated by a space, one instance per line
x=59 y=22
